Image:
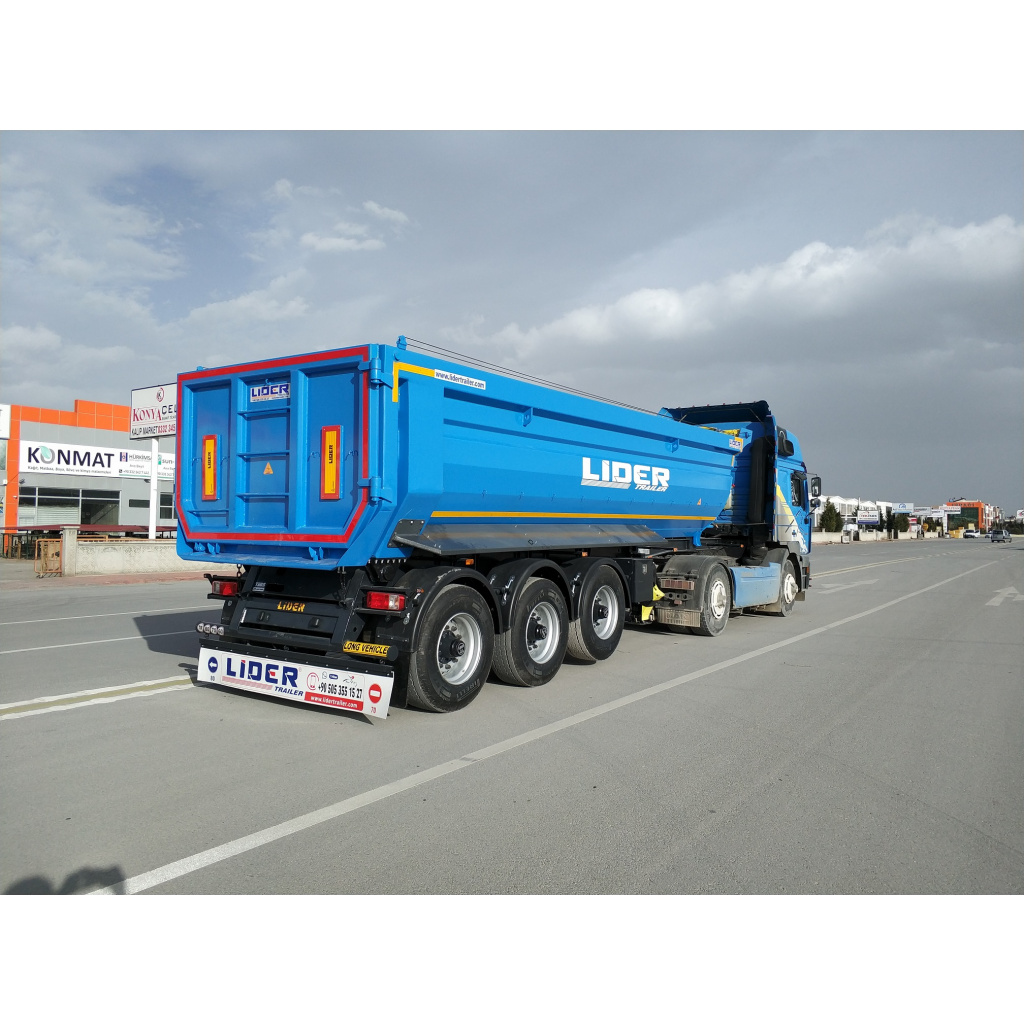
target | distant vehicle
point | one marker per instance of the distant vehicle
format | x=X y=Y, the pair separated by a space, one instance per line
x=1001 y=536
x=970 y=534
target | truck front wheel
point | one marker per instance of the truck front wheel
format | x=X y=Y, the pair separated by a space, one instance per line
x=717 y=603
x=596 y=633
x=453 y=656
x=530 y=651
x=789 y=589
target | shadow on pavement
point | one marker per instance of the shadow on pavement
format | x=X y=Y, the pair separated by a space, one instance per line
x=181 y=627
x=82 y=880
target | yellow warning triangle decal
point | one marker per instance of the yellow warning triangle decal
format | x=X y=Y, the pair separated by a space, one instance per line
x=268 y=471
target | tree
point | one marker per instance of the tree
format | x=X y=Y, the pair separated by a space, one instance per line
x=902 y=522
x=831 y=520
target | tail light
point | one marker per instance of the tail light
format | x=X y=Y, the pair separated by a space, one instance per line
x=384 y=602
x=224 y=588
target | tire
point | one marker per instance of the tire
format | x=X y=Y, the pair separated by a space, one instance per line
x=453 y=656
x=530 y=652
x=788 y=589
x=717 y=603
x=596 y=633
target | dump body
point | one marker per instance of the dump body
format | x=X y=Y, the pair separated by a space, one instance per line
x=338 y=458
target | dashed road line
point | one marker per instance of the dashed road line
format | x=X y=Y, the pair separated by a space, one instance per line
x=103 y=615
x=81 y=698
x=86 y=643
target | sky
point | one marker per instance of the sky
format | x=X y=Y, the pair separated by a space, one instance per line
x=869 y=286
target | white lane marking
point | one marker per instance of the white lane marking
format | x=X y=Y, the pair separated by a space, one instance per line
x=89 y=693
x=216 y=854
x=98 y=700
x=831 y=588
x=103 y=615
x=112 y=640
x=869 y=565
x=1002 y=595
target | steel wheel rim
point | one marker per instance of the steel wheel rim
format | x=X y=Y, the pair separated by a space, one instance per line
x=463 y=627
x=719 y=599
x=789 y=588
x=542 y=649
x=605 y=627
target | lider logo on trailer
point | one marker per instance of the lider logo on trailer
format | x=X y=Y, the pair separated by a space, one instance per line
x=623 y=475
x=269 y=392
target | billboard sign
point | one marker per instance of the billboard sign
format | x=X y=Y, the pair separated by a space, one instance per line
x=91 y=460
x=5 y=422
x=869 y=516
x=155 y=411
x=903 y=506
x=952 y=510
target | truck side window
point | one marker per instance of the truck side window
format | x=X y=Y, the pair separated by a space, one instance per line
x=796 y=491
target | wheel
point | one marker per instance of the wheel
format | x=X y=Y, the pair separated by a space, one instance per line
x=453 y=656
x=789 y=589
x=714 y=611
x=530 y=652
x=596 y=633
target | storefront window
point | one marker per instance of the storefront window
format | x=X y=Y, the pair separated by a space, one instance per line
x=60 y=506
x=101 y=508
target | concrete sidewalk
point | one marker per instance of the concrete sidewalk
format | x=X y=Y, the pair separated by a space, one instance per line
x=19 y=574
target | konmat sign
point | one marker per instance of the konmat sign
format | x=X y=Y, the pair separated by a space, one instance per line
x=154 y=411
x=91 y=460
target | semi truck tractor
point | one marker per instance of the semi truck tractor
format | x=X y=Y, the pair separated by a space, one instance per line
x=396 y=524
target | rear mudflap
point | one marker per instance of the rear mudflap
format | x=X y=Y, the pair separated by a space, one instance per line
x=343 y=682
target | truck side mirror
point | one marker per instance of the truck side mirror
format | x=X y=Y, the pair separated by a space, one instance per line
x=815 y=503
x=816 y=487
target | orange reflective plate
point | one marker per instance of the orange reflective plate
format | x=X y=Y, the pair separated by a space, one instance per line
x=330 y=473
x=210 y=467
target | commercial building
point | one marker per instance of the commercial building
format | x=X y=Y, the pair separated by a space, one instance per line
x=80 y=468
x=852 y=508
x=977 y=514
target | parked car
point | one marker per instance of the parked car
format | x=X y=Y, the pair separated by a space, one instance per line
x=1002 y=536
x=970 y=534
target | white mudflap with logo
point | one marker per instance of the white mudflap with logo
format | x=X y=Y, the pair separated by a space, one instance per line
x=310 y=684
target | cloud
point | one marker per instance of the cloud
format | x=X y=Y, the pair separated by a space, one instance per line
x=33 y=354
x=273 y=303
x=338 y=243
x=385 y=213
x=815 y=297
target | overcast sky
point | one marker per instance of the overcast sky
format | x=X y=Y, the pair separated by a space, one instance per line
x=870 y=287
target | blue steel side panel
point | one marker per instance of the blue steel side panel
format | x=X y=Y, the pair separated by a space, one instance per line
x=210 y=413
x=754 y=585
x=477 y=447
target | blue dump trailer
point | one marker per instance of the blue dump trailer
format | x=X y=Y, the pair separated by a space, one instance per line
x=404 y=524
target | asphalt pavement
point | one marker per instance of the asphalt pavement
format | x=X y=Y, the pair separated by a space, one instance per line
x=871 y=742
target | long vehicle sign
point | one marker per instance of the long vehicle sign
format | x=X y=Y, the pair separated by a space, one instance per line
x=309 y=684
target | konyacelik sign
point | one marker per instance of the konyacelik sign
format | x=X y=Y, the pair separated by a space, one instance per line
x=155 y=411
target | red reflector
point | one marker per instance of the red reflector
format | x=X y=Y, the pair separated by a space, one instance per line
x=226 y=588
x=385 y=602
